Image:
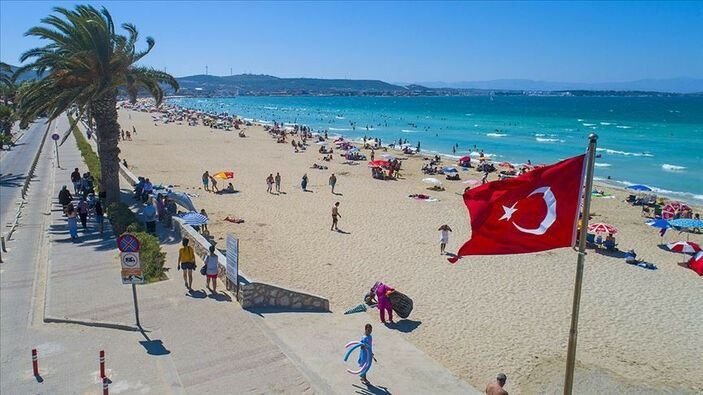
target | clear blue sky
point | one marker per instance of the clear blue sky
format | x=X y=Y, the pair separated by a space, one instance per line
x=403 y=41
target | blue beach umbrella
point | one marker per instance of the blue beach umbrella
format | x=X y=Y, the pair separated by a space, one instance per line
x=194 y=219
x=449 y=169
x=686 y=223
x=659 y=223
x=640 y=187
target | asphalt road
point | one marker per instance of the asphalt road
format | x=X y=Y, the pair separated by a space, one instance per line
x=14 y=166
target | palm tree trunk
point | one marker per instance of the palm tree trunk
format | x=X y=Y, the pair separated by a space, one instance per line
x=107 y=130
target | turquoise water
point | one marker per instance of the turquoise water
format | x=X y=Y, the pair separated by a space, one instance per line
x=657 y=141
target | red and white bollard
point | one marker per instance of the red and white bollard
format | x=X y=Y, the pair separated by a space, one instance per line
x=35 y=362
x=105 y=385
x=102 y=364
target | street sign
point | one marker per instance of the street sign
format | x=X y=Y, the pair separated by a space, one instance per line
x=55 y=136
x=130 y=260
x=232 y=259
x=131 y=268
x=128 y=242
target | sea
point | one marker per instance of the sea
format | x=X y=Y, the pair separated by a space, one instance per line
x=655 y=141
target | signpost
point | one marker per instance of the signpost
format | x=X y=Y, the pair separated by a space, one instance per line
x=233 y=264
x=56 y=137
x=128 y=244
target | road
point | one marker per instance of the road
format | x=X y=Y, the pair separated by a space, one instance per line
x=14 y=166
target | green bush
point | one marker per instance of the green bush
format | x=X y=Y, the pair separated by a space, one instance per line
x=150 y=255
x=89 y=156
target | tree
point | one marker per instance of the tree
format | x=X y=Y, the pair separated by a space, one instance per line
x=85 y=63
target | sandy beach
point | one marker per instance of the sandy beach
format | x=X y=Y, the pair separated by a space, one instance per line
x=640 y=330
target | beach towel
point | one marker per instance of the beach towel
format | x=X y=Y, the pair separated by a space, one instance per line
x=356 y=309
x=234 y=220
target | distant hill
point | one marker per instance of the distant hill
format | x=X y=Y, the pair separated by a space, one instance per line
x=254 y=84
x=672 y=85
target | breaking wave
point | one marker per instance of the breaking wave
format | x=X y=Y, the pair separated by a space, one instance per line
x=668 y=167
x=625 y=153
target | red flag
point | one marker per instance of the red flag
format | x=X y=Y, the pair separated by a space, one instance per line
x=536 y=211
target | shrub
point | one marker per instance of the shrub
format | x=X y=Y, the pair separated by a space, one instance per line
x=89 y=156
x=151 y=257
x=122 y=219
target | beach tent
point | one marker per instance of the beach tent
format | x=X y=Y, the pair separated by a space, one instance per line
x=696 y=263
x=181 y=199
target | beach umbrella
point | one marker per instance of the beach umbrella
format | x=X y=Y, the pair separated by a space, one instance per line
x=465 y=158
x=600 y=227
x=181 y=199
x=194 y=219
x=472 y=181
x=379 y=163
x=639 y=187
x=696 y=263
x=686 y=223
x=388 y=156
x=659 y=223
x=684 y=247
x=353 y=149
x=224 y=175
x=432 y=181
x=671 y=208
x=449 y=169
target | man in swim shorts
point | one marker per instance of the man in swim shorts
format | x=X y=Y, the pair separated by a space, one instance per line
x=496 y=387
x=206 y=180
x=443 y=237
x=335 y=215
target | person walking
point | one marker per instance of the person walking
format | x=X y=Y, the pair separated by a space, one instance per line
x=333 y=181
x=367 y=351
x=65 y=198
x=384 y=304
x=72 y=218
x=496 y=387
x=83 y=209
x=206 y=180
x=99 y=215
x=214 y=187
x=76 y=180
x=335 y=216
x=278 y=183
x=443 y=237
x=211 y=269
x=149 y=213
x=269 y=183
x=304 y=182
x=186 y=261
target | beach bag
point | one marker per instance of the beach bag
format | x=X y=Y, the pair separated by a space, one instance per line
x=203 y=270
x=401 y=303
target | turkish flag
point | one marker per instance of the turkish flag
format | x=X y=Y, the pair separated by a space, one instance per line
x=533 y=212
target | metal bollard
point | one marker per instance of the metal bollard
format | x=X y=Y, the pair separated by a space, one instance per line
x=105 y=385
x=102 y=364
x=35 y=362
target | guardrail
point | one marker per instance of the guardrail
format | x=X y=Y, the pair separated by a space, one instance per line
x=30 y=174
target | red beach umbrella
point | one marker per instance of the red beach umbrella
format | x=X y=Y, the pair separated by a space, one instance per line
x=600 y=227
x=465 y=159
x=685 y=247
x=379 y=163
x=670 y=209
x=696 y=263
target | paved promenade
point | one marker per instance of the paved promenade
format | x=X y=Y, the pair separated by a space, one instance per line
x=191 y=343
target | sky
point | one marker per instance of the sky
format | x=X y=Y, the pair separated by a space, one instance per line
x=401 y=41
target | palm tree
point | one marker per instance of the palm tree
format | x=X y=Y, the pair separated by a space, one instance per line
x=85 y=63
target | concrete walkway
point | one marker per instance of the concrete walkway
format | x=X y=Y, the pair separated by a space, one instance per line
x=203 y=343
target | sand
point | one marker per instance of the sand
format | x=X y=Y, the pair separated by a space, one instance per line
x=640 y=330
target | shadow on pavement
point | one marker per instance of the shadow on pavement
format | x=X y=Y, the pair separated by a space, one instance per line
x=153 y=347
x=260 y=311
x=370 y=389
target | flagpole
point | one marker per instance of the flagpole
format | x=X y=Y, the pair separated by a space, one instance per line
x=573 y=333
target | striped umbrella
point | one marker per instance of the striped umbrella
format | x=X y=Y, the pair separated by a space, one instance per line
x=600 y=227
x=672 y=208
x=194 y=219
x=696 y=263
x=684 y=247
x=224 y=175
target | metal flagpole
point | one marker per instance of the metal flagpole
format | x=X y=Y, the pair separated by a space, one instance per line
x=573 y=333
